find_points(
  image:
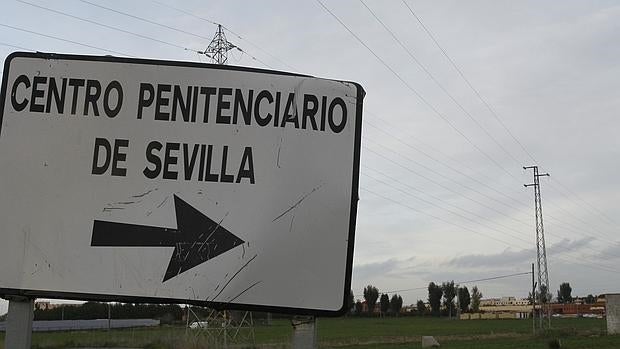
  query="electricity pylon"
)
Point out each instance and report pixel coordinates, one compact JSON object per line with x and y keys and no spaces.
{"x":218,"y":48}
{"x":541,"y":250}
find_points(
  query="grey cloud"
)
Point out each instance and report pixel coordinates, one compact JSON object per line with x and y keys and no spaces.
{"x":370,"y":270}
{"x":566,"y":245}
{"x":612,"y":250}
{"x":509,"y":257}
{"x":395,"y":268}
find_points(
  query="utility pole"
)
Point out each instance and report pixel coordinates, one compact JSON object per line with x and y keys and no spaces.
{"x":109,"y":317}
{"x":218,"y":48}
{"x":533,"y":302}
{"x":541,"y":258}
{"x":458,"y":303}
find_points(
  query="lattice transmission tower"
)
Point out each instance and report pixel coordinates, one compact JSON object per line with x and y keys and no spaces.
{"x":541,"y":250}
{"x":218,"y":48}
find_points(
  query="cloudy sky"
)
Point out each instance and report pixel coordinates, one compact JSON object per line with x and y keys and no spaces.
{"x":460,"y":96}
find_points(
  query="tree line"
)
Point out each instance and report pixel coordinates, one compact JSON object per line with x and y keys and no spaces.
{"x":440,"y":301}
{"x":166,"y":313}
{"x":387,"y":305}
{"x":564,"y":295}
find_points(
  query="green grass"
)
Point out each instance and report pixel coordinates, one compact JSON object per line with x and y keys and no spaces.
{"x":372,"y":328}
{"x":363,"y":333}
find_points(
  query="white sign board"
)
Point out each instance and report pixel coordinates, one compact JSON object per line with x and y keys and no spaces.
{"x":158,"y":181}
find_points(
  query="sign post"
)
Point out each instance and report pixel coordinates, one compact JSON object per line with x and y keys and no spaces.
{"x":304,"y":332}
{"x":19,"y":323}
{"x":132,"y":180}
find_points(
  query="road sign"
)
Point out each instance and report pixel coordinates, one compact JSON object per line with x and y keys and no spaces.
{"x":157,"y":181}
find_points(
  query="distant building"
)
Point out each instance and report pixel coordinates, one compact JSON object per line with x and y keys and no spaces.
{"x":523,"y":309}
{"x":376,"y":310}
{"x":46,"y":305}
{"x":577,"y":309}
{"x":504,"y":301}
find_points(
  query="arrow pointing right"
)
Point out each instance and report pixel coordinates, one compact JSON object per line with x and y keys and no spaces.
{"x":196,"y":239}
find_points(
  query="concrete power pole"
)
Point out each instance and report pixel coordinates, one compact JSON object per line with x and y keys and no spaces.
{"x":218,"y":48}
{"x":541,"y":258}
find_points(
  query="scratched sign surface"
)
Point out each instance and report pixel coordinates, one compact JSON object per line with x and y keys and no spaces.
{"x":141,"y":180}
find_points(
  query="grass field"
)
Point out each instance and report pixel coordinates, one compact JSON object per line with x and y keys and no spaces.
{"x":365,"y":333}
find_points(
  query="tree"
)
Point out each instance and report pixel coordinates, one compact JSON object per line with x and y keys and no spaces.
{"x":385,"y":303}
{"x":564,"y":293}
{"x":351,"y":301}
{"x":590,"y":299}
{"x":476,"y":296}
{"x":449,"y":292}
{"x":421,"y":307}
{"x":359,"y":307}
{"x":396,"y":304}
{"x":543,"y":295}
{"x":464,"y":299}
{"x":434,"y":298}
{"x":371,"y":294}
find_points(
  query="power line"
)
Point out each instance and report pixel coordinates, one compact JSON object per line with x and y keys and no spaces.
{"x":430,"y":75}
{"x":105,"y":25}
{"x":444,"y":202}
{"x":188,"y":13}
{"x":488,"y":106}
{"x":450,"y":211}
{"x":438,"y":218}
{"x":16,"y":46}
{"x":415,"y":92}
{"x":145,"y":20}
{"x":459,"y":282}
{"x":593,"y":209}
{"x":585,"y":223}
{"x":64,"y":40}
{"x":462,"y":75}
{"x":494,"y":278}
{"x":434,"y":149}
{"x":560,"y":222}
{"x":444,"y":187}
{"x":441,"y":175}
{"x":400,"y":140}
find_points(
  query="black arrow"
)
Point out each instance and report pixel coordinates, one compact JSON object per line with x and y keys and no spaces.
{"x":196,"y":239}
